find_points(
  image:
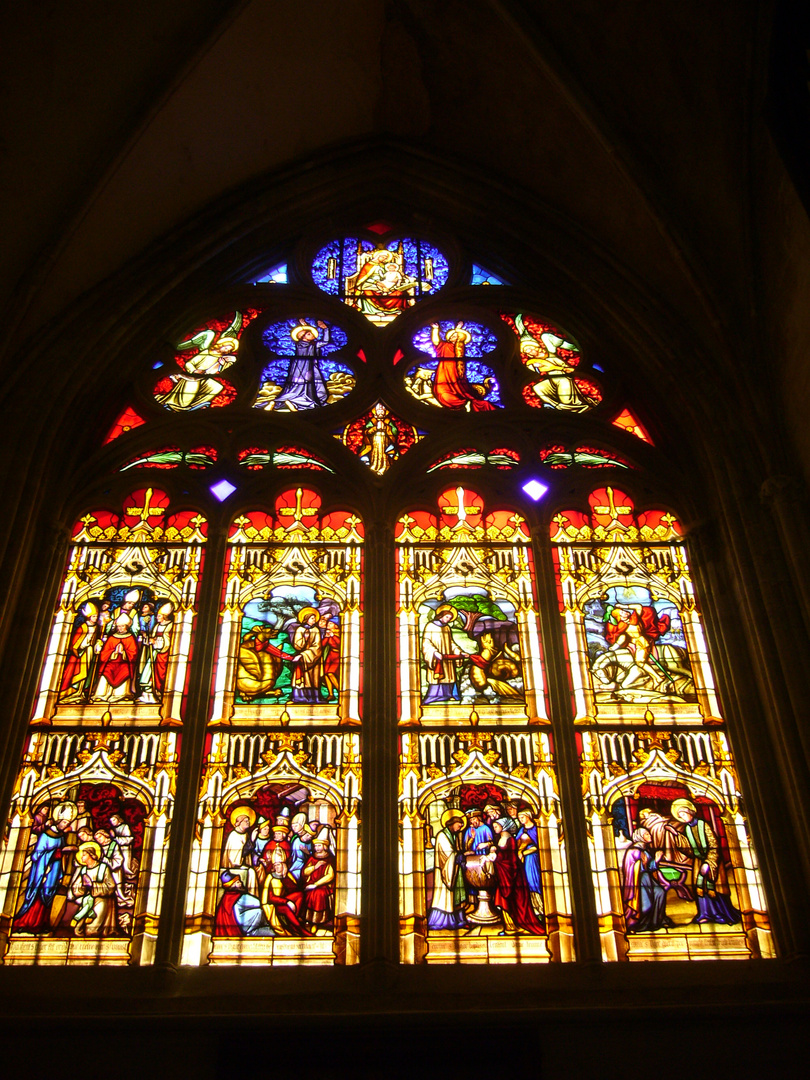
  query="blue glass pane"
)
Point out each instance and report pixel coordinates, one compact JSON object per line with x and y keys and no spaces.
{"x":480,"y":276}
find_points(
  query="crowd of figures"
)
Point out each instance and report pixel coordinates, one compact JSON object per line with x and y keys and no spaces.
{"x":675,"y":855}
{"x":487,"y":871}
{"x":278,"y":877}
{"x":80,"y":873}
{"x":119,"y":650}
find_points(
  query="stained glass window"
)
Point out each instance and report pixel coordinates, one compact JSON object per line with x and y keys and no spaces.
{"x":554,"y":360}
{"x":674,"y":871}
{"x":480,"y":276}
{"x":455,"y":377}
{"x":274,"y":275}
{"x":83,"y":863}
{"x":127,"y":421}
{"x":379,"y":437}
{"x":169,"y":457}
{"x":300,"y":373}
{"x":585,"y":457}
{"x":207,"y":351}
{"x":467,"y":458}
{"x":428,"y":386}
{"x":627,"y":422}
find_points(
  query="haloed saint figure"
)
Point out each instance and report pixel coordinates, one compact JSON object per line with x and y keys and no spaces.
{"x":487,"y":872}
{"x":674,"y":871}
{"x":470,"y":650}
{"x":301,"y":374}
{"x":289,"y":649}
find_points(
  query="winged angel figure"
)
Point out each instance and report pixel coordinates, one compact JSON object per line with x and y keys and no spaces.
{"x":193,"y":388}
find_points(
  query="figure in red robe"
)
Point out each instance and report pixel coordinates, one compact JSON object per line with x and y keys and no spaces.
{"x":512,"y":892}
{"x":76,"y":678}
{"x":331,"y":653}
{"x":636,"y":628}
{"x":319,"y":889}
{"x":451,"y":387}
{"x":116,"y":663}
{"x":281,"y":897}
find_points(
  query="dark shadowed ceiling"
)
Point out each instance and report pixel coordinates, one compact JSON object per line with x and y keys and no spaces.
{"x":642,"y":124}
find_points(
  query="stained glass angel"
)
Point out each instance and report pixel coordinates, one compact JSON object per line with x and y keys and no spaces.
{"x":195,"y":388}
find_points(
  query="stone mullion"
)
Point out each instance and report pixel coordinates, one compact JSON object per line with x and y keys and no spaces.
{"x":173,"y":907}
{"x":585,"y":919}
{"x":380,"y":893}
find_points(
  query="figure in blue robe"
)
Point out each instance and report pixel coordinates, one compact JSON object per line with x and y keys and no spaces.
{"x":304,"y":387}
{"x":44,"y":878}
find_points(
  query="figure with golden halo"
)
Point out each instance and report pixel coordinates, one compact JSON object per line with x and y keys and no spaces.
{"x":236,"y":854}
{"x":449,"y":892}
{"x":451,"y":387}
{"x":305,"y":387}
{"x":46,"y":871}
{"x":92,"y":887}
{"x":709,"y":882}
{"x":308,"y":660}
{"x":239,"y":912}
{"x":381,"y":288}
{"x":440,"y":656}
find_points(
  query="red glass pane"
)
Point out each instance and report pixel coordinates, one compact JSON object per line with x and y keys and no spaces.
{"x":609,"y":504}
{"x":186,"y":520}
{"x":147,"y":505}
{"x":128,"y":420}
{"x":460,"y":504}
{"x":102,"y":519}
{"x":418,"y":520}
{"x":500,"y":520}
{"x":343,"y":519}
{"x":627,"y":422}
{"x":298,"y":506}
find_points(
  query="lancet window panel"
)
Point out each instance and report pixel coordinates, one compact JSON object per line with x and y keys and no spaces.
{"x":674,"y":869}
{"x":635,"y":641}
{"x":83,"y":862}
{"x":84,"y":855}
{"x":290,"y":641}
{"x":275,"y":864}
{"x":483,"y":874}
{"x":467,"y":621}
